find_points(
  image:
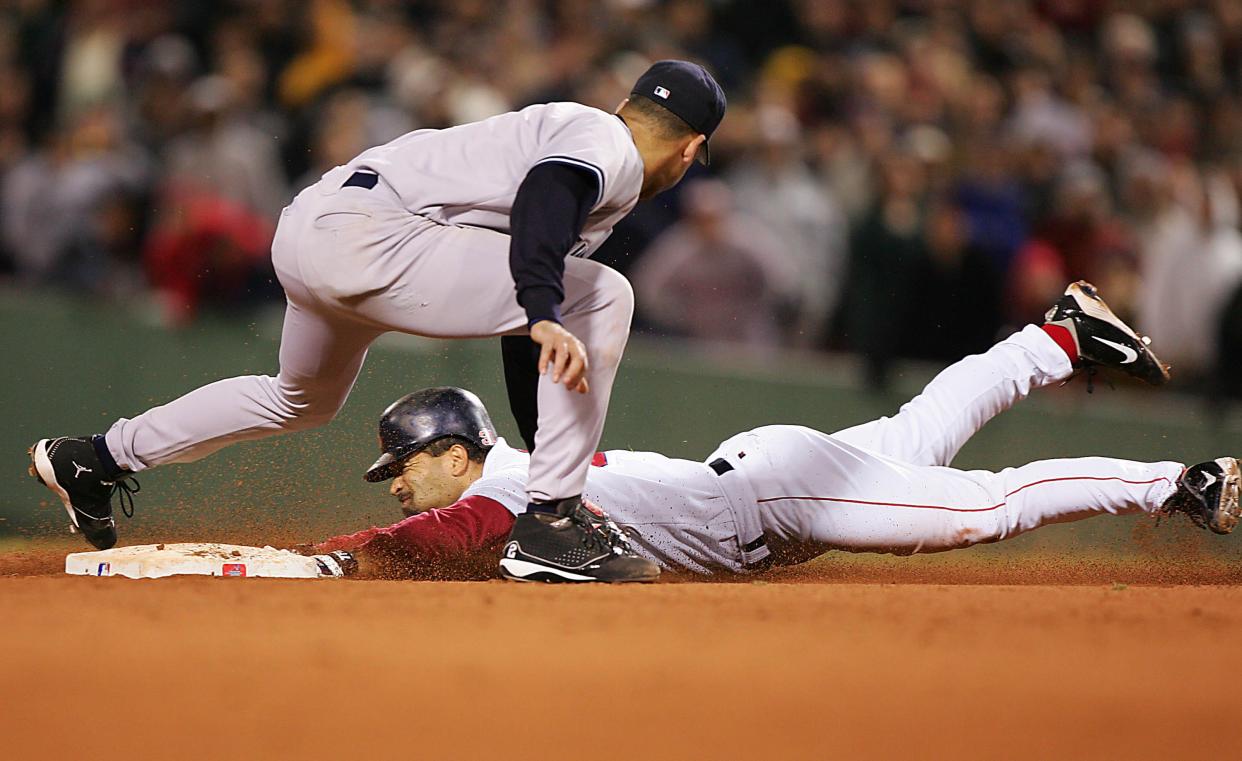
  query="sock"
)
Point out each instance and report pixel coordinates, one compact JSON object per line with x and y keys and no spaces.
{"x":111,"y":469}
{"x":561,"y":507}
{"x":1064,"y":339}
{"x":546,"y":508}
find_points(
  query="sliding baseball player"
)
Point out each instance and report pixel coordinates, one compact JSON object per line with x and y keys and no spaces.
{"x":785,"y":494}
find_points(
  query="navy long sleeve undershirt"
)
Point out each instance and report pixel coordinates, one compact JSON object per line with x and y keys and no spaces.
{"x":549,"y":212}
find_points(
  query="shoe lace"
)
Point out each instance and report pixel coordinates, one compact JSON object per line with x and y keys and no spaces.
{"x":596,"y":534}
{"x":1185,"y":502}
{"x":617,"y":539}
{"x":1186,"y":506}
{"x":1091,"y":371}
{"x":125,"y":489}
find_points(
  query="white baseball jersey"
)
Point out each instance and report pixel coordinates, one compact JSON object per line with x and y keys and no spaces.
{"x":468,"y":175}
{"x":883,"y":486}
{"x":675,"y":511}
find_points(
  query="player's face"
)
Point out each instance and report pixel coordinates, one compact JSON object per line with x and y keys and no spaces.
{"x":426,"y":483}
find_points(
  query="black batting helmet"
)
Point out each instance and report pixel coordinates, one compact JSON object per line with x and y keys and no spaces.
{"x":417,"y":419}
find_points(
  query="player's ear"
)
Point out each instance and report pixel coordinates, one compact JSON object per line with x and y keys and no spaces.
{"x":692,"y":148}
{"x":460,"y":460}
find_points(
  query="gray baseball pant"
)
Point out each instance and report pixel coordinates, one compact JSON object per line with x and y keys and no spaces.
{"x":354,"y":264}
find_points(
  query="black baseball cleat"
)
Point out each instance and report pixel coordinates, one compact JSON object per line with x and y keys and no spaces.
{"x":1208,"y":493}
{"x":576,"y":546}
{"x":71,"y":468}
{"x":1101,"y":338}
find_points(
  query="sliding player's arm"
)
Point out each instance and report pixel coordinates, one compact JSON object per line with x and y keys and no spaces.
{"x":461,"y":541}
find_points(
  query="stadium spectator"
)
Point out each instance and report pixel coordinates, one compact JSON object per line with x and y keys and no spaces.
{"x":1051,"y":140}
{"x":208,"y":249}
{"x":887,"y":257}
{"x":718,"y":274}
{"x":70,"y":212}
{"x":1191,"y":266}
{"x":222,"y":153}
{"x":775,"y":184}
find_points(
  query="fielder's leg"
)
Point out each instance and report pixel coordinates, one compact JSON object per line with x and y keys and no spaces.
{"x":321,"y":352}
{"x":932,"y":427}
{"x":520,"y":356}
{"x":598,"y":306}
{"x":320,"y":358}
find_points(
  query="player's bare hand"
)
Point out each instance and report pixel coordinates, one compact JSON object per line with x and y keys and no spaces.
{"x":561,"y":353}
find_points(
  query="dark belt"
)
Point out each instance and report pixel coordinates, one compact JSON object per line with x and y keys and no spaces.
{"x":365,"y":180}
{"x":721,"y":466}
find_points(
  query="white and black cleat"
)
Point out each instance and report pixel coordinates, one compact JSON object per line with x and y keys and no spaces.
{"x":570,"y":548}
{"x":72,"y":470}
{"x":1208,"y":493}
{"x":1101,"y":338}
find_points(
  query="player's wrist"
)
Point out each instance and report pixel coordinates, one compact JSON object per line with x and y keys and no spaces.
{"x":541,"y":303}
{"x":337,"y":564}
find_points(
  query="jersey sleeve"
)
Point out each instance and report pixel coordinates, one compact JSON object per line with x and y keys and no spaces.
{"x":591,"y":140}
{"x":506,"y":487}
{"x":549,"y":211}
{"x":460,"y":541}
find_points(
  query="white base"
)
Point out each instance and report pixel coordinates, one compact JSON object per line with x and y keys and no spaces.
{"x":154,"y":561}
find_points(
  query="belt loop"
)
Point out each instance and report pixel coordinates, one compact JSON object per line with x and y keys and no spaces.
{"x":366,"y":180}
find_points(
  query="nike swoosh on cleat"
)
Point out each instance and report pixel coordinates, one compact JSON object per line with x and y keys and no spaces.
{"x":1130,"y":354}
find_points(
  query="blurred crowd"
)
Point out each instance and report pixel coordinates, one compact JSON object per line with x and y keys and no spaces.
{"x":895,"y":178}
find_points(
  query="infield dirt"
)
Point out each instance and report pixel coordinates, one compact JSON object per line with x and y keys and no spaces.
{"x":1054,"y":663}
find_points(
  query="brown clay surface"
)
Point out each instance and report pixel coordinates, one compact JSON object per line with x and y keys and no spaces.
{"x":1026,"y":658}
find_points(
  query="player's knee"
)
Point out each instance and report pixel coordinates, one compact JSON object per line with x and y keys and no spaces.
{"x":985,"y":532}
{"x":307,"y":407}
{"x":310,"y":418}
{"x":610,"y":340}
{"x":611,"y":321}
{"x":618,"y":293}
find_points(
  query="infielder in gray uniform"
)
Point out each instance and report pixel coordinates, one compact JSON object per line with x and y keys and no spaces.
{"x":473,"y":231}
{"x":783,"y":493}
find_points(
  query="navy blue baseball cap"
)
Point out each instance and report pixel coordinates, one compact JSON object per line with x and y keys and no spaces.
{"x":688,"y":91}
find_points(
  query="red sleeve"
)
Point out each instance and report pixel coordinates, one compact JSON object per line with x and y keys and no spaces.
{"x":349,"y":541}
{"x":457,"y":541}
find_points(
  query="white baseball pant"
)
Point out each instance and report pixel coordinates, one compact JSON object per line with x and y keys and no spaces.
{"x":354,"y":264}
{"x":884,"y":486}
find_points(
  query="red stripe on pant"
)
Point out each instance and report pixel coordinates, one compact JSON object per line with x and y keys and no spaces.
{"x":965,"y":509}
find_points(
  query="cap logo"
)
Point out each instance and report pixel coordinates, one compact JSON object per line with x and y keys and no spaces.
{"x":487,"y":438}
{"x":663,"y":93}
